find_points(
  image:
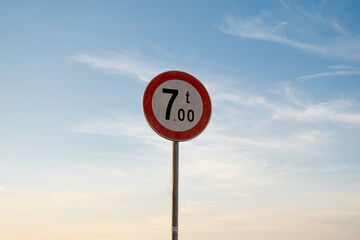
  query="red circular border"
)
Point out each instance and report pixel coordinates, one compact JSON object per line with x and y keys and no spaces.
{"x":156,"y":125}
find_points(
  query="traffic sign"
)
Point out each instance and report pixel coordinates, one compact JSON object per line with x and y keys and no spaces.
{"x":176,"y":106}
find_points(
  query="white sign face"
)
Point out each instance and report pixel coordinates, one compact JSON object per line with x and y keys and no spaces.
{"x":177,"y":105}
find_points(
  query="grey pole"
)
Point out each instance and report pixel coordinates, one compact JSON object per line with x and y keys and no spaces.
{"x":175,"y":190}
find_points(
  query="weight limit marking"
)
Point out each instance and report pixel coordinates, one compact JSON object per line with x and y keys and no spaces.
{"x":181,"y":112}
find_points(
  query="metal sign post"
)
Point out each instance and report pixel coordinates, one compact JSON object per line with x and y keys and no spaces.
{"x":175,"y":190}
{"x":177,"y":107}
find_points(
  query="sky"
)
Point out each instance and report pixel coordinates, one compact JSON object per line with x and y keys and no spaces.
{"x":279,"y":159}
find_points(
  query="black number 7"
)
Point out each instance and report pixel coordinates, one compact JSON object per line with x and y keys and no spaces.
{"x":174,"y":93}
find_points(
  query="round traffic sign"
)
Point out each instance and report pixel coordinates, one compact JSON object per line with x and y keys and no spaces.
{"x":176,"y":106}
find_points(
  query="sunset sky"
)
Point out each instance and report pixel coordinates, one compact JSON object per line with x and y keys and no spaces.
{"x":279,"y":160}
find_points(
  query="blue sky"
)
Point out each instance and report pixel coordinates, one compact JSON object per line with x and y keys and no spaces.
{"x":279,"y":158}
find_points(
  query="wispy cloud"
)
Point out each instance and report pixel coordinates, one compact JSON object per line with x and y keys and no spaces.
{"x":342,"y":67}
{"x":325,"y":112}
{"x":129,"y":64}
{"x":329,"y":74}
{"x":119,"y":125}
{"x":258,"y":28}
{"x":337,"y":70}
{"x":294,"y":108}
{"x":287,"y":31}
